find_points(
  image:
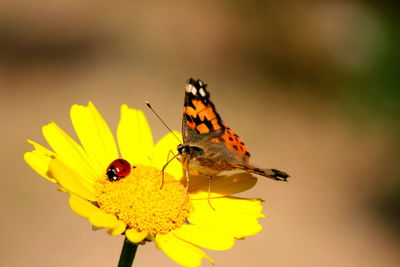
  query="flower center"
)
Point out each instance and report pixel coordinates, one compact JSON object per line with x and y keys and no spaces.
{"x":138,"y":200}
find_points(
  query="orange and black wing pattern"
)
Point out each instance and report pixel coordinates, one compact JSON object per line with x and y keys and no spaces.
{"x":234,"y":144}
{"x":202,"y":124}
{"x":200,"y":119}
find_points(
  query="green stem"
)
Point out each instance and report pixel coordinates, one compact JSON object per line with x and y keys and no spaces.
{"x":127,"y":254}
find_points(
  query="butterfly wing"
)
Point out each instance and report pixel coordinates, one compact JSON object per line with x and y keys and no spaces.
{"x":202,"y":126}
{"x":220,"y":166}
{"x":200,"y":120}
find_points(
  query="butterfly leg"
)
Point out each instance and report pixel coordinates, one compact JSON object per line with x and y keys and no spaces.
{"x":187,"y":181}
{"x":166,"y":164}
{"x":209,"y":192}
{"x":186,"y":191}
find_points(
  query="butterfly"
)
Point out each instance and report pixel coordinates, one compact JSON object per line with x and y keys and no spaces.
{"x":209,"y":145}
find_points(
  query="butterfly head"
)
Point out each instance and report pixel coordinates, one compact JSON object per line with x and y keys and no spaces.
{"x":189,"y":151}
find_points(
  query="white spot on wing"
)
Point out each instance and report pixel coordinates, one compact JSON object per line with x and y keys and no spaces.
{"x":194,"y":90}
{"x":202,"y":92}
{"x":189,"y":88}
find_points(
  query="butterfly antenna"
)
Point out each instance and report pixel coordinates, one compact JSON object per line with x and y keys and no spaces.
{"x":155,"y":113}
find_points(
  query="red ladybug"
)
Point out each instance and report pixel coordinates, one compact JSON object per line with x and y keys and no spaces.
{"x":118,"y":169}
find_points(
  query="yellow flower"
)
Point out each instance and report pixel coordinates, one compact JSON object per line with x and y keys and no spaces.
{"x":180,"y":224}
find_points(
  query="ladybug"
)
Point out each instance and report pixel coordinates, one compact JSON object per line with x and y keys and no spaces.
{"x":118,"y":169}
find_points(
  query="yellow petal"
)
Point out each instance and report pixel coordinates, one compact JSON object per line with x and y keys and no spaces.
{"x":200,"y":236}
{"x":102,"y":219}
{"x":251,"y":207}
{"x":39,"y":160}
{"x":69,"y":179}
{"x":118,"y":228}
{"x":221,"y":185}
{"x":95,"y":136}
{"x":135,"y":236}
{"x":236,"y":217}
{"x":164,"y":150}
{"x":180,"y":251}
{"x":96,"y":216}
{"x":135,"y":139}
{"x":69,"y":152}
{"x":81,"y":206}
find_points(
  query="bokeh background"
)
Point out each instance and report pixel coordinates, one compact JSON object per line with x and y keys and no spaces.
{"x":311,"y":86}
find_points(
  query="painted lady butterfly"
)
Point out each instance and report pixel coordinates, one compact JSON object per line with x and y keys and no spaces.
{"x":210,"y":146}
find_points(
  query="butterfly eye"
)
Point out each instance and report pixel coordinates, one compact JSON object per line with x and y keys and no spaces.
{"x":118,"y":169}
{"x":180,"y":148}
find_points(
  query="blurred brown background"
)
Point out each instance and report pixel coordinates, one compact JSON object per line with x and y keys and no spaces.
{"x":311,"y":86}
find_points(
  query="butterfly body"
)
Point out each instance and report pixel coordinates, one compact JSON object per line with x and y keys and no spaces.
{"x":210,"y":146}
{"x":201,"y":162}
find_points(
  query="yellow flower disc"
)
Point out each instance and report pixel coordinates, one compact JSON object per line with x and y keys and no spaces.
{"x":138,"y":200}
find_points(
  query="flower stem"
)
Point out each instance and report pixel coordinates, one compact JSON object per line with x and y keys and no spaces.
{"x":127,"y":254}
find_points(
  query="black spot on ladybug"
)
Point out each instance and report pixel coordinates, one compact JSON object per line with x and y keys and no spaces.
{"x":112,"y":176}
{"x":230,"y":138}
